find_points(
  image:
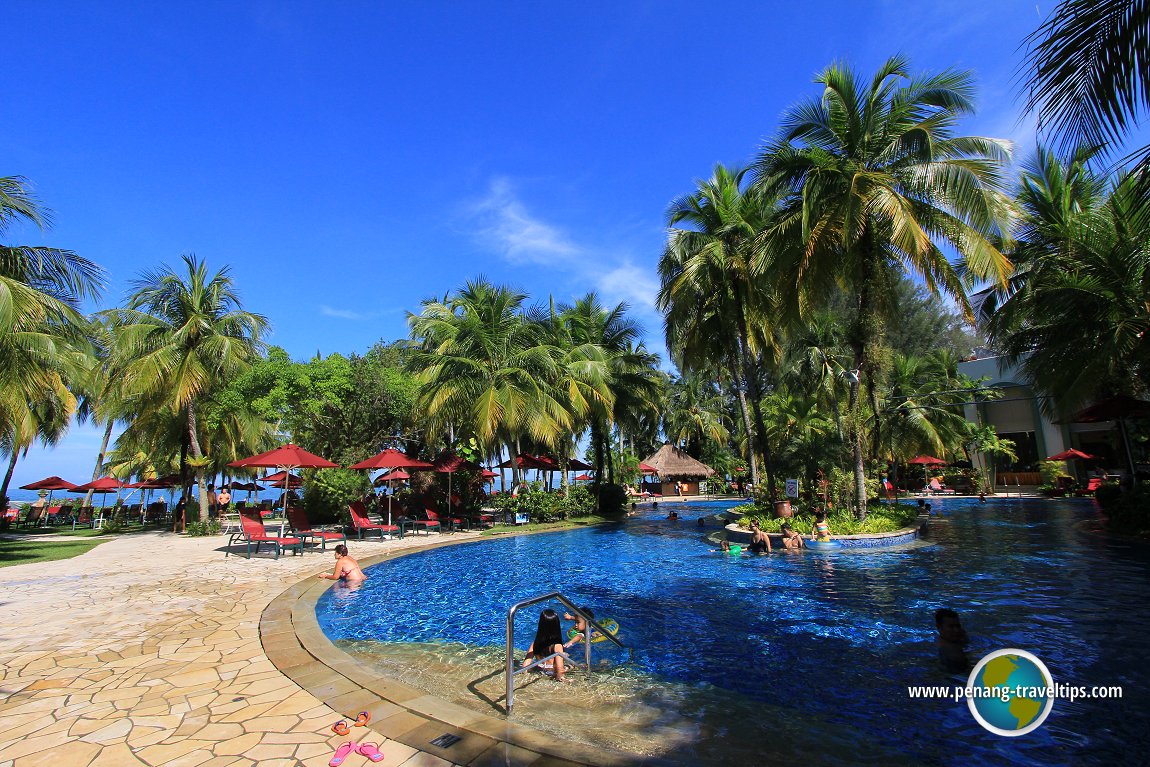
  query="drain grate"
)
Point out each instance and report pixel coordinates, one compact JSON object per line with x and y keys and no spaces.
{"x":446,"y":740}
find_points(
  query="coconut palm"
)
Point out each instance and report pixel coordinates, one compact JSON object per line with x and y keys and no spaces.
{"x":695,"y":413}
{"x":485,"y":370}
{"x":41,"y":290}
{"x":1088,"y":78}
{"x":633,"y":381}
{"x":712,"y":294}
{"x":181,"y":337}
{"x":876,"y":182}
{"x":1076,"y":314}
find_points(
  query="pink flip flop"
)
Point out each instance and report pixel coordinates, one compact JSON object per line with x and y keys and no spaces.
{"x":371,"y":751}
{"x":341,"y":754}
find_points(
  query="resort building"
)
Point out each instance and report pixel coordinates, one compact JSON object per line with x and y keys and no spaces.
{"x":679,"y":473}
{"x":1019,"y":415}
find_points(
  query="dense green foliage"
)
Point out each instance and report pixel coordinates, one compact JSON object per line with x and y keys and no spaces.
{"x":882,"y":518}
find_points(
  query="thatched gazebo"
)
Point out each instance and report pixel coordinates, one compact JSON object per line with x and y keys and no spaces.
{"x":678,"y":472}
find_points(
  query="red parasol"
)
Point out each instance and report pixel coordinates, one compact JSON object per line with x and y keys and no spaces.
{"x":391,"y":459}
{"x":395,"y":475}
{"x":584,"y":478}
{"x":50,"y":483}
{"x":103,"y":486}
{"x":280,"y":477}
{"x":1072,"y":455}
{"x":927,"y":460}
{"x":647,"y":468}
{"x":286,"y":458}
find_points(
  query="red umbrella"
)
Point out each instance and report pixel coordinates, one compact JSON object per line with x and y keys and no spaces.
{"x":280,"y":477}
{"x":584,"y":478}
{"x":449,"y":463}
{"x":50,"y":484}
{"x":391,"y":459}
{"x":1072,"y":455}
{"x":530,"y":462}
{"x":286,"y":458}
{"x":103,"y":486}
{"x":395,"y":475}
{"x":927,"y":460}
{"x":645,"y":468}
{"x":576,"y":465}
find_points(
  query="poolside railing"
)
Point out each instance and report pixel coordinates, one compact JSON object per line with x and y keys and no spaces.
{"x":511,"y":670}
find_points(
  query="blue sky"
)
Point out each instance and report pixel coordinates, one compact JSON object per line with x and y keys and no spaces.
{"x":350,"y":159}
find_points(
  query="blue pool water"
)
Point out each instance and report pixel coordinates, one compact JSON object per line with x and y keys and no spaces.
{"x":814,"y":651}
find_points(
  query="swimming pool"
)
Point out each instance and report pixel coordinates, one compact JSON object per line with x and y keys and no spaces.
{"x":787,"y":656}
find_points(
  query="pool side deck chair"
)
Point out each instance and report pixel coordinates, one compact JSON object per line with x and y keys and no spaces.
{"x":298,"y":520}
{"x":252,"y":531}
{"x":361,"y":522}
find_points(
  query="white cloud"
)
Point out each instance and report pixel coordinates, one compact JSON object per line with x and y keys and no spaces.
{"x":343,"y":314}
{"x":507,"y":227}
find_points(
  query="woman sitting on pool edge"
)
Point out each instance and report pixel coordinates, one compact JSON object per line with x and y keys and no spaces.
{"x":346,"y":567}
{"x":548,"y":640}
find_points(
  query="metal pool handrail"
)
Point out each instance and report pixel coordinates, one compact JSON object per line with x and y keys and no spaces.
{"x":511,"y":671}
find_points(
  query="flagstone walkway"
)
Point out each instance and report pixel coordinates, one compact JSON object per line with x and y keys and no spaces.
{"x":146,"y":651}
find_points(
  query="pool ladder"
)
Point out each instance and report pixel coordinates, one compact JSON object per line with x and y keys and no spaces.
{"x":511,"y":670}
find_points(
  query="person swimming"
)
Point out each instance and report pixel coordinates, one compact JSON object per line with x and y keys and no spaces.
{"x":548,"y":640}
{"x":346,"y":567}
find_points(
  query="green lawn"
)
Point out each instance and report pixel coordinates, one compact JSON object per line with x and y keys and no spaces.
{"x":26,"y":552}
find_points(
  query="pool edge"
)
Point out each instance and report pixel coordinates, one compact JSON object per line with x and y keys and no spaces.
{"x":294,"y":643}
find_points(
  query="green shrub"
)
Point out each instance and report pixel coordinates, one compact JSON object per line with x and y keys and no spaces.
{"x":1127,"y":512}
{"x":1051,"y":472}
{"x":195,"y":529}
{"x":328,"y":493}
{"x":881,"y":518}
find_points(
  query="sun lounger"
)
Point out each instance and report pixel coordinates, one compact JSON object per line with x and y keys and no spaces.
{"x":938,"y":488}
{"x":252,"y":531}
{"x":1093,"y":484}
{"x":302,"y":528}
{"x":33,"y":517}
{"x":361,"y":522}
{"x":453,"y":523}
{"x":426,"y":525}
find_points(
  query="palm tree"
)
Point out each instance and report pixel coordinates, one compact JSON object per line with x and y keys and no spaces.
{"x":184,"y":336}
{"x":712,"y":294}
{"x":1088,"y":75}
{"x":1076,"y":313}
{"x":42,"y":333}
{"x":695,"y":413}
{"x":633,"y":381}
{"x":484,"y":369}
{"x":875,"y":182}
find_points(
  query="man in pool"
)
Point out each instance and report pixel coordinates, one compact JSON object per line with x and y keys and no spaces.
{"x":791,"y":539}
{"x":951,"y":641}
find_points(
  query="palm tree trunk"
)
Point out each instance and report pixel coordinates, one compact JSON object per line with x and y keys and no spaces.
{"x":750,"y":375}
{"x":866,"y":329}
{"x":610,"y":457}
{"x":8,"y":476}
{"x":746,"y":413}
{"x":194,"y":447}
{"x":100,"y":458}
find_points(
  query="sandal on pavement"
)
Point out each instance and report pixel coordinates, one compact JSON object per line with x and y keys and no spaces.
{"x":340,"y":728}
{"x":371,"y":751}
{"x":362,"y":719}
{"x":341,"y":754}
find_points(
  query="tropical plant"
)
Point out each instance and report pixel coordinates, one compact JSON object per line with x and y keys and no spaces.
{"x":183,"y":337}
{"x":875,"y":182}
{"x":713,"y":297}
{"x":1075,"y":315}
{"x":1088,"y":77}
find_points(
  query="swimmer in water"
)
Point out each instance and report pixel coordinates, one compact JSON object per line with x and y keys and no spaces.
{"x":346,"y":567}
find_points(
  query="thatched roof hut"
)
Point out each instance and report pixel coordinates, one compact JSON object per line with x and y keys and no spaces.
{"x":674,"y":464}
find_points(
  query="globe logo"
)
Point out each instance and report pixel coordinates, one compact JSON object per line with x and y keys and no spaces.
{"x":1010,"y":692}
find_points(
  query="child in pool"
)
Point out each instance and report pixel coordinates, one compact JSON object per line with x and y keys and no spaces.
{"x":822,"y":529}
{"x":548,"y":640}
{"x":951,"y":641}
{"x":580,"y":625}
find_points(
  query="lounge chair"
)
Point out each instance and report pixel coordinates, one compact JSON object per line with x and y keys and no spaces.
{"x":453,"y":523}
{"x":252,"y":531}
{"x":938,"y":488}
{"x":1092,"y":484}
{"x":426,"y":525}
{"x":83,"y":517}
{"x":360,"y":521}
{"x":33,"y":517}
{"x":302,"y":528}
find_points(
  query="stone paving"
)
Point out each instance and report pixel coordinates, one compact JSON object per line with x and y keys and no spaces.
{"x":146,"y":651}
